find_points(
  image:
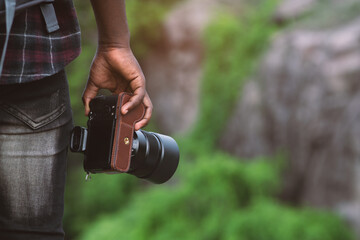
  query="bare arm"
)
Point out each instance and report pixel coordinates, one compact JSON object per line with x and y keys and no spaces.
{"x":111,"y":22}
{"x":114,"y":66}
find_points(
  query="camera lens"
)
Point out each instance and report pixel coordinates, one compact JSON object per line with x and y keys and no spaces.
{"x":155,"y":157}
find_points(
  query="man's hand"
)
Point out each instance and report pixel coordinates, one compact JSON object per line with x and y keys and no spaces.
{"x":116,"y":68}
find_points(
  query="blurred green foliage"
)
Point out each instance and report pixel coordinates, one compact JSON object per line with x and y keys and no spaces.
{"x":233,"y":47}
{"x":218,"y":198}
{"x":212,"y":195}
{"x":87,"y":201}
{"x":195,"y":208}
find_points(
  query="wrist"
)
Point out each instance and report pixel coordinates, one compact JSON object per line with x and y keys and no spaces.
{"x":115,"y":42}
{"x":110,"y":46}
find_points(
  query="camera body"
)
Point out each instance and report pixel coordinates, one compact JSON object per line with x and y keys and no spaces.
{"x":101,"y":129}
{"x":111,"y":145}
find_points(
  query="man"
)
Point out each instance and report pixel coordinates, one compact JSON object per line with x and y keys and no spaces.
{"x":35,"y":114}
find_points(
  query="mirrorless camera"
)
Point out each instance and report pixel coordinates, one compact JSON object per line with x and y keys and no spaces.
{"x":111,"y":145}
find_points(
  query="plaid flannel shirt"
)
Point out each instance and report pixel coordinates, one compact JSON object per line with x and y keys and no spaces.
{"x":32,"y":52}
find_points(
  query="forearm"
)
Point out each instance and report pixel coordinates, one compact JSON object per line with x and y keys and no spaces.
{"x":111,"y":22}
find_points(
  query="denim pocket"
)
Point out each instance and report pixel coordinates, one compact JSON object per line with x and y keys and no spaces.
{"x":44,"y":109}
{"x":34,"y":122}
{"x":37,"y":113}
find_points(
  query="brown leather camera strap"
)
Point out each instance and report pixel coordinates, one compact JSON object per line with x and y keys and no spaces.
{"x":124,"y":131}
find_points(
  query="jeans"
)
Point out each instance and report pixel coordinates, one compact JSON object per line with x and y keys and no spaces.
{"x":35,"y":125}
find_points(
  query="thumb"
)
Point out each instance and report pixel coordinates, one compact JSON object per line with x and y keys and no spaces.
{"x":89,"y":93}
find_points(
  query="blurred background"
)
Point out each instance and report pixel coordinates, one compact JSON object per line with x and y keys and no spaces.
{"x":263,"y":97}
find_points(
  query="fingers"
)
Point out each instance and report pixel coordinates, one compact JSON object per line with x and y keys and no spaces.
{"x":148,"y":112}
{"x":89,"y":93}
{"x":138,"y":97}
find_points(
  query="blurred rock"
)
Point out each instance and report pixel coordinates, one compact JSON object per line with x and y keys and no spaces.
{"x":245,"y":134}
{"x":291,"y":9}
{"x":174,"y":69}
{"x":306,"y":101}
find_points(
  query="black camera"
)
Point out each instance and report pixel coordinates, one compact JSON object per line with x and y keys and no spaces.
{"x":111,"y":145}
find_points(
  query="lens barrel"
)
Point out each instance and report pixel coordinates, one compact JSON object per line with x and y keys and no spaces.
{"x":155,"y":157}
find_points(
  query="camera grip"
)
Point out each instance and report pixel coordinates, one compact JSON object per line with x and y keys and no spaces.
{"x":124,"y":131}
